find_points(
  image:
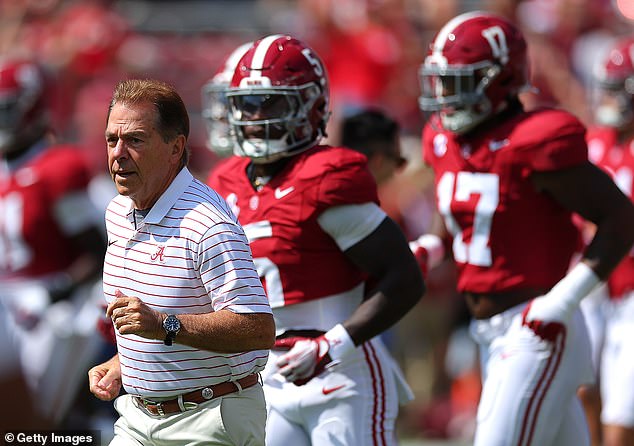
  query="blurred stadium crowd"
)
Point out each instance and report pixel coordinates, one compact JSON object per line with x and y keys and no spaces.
{"x":372,"y":50}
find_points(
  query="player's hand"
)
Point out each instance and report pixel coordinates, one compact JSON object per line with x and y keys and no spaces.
{"x":105,"y":379}
{"x":130,"y":315}
{"x":544,"y":318}
{"x":548,"y":315}
{"x":429,"y":251}
{"x":305,"y":360}
{"x":422,"y":256}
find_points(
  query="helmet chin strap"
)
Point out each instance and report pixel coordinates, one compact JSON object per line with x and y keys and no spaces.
{"x":267,"y":150}
{"x":461,"y":121}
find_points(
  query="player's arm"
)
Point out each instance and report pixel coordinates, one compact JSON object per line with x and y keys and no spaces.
{"x":591,"y":193}
{"x":588,"y":191}
{"x":375,"y":243}
{"x":377,"y":246}
{"x":81,"y":222}
{"x":396,"y":281}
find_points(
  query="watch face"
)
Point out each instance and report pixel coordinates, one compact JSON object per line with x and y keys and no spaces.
{"x":171,"y":324}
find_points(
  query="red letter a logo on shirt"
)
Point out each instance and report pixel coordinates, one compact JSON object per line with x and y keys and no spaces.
{"x":158,"y":254}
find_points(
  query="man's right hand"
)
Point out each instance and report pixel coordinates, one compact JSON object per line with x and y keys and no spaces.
{"x":105,"y":379}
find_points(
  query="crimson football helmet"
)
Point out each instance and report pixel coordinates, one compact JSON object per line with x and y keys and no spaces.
{"x":215,"y":108}
{"x":278,"y":98}
{"x":475,"y":64}
{"x":23,"y":103}
{"x":613,"y":92}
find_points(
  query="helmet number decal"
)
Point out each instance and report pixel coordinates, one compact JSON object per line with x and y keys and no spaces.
{"x":497,"y":41}
{"x":308,"y":54}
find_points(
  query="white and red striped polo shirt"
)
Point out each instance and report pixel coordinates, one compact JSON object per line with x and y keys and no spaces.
{"x":190,"y":255}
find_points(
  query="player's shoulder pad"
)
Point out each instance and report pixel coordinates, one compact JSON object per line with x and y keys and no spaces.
{"x":65,"y":167}
{"x":66,"y":153}
{"x":336,"y":175}
{"x":548,"y":139}
{"x":548,"y":123}
{"x":227,"y":167}
{"x":325,"y":159}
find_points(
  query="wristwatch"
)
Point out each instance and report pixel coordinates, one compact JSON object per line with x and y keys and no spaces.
{"x":172,"y":326}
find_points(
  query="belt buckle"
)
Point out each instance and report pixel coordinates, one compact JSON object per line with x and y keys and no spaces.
{"x":207,"y":393}
{"x":159,"y":409}
{"x":157,"y":404}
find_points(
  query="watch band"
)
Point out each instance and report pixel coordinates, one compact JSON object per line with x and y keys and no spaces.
{"x":169,"y":338}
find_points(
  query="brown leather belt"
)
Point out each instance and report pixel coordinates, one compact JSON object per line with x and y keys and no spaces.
{"x":484,"y":306}
{"x":192,"y":399}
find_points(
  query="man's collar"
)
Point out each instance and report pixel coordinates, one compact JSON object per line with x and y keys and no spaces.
{"x":165,"y":202}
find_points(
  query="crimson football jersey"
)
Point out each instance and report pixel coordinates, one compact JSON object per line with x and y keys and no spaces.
{"x":32,"y":244}
{"x":506,"y":235}
{"x":296,"y":260}
{"x":618,"y":160}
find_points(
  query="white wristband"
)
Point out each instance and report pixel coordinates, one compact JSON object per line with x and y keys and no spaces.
{"x":340,"y":342}
{"x":434,"y":246}
{"x":575,"y":285}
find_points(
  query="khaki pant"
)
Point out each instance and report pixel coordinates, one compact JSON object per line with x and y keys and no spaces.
{"x":237,"y":419}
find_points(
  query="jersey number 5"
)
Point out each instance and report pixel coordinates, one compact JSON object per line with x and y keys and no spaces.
{"x":461,"y":187}
{"x":267,"y":270}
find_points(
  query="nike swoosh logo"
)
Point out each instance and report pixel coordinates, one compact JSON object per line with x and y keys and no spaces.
{"x":112,"y":242}
{"x":328,"y":390}
{"x":281,"y":193}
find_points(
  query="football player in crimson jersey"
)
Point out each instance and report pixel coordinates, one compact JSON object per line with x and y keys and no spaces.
{"x":214,"y":104}
{"x":317,"y":235}
{"x":51,"y":242}
{"x":507,"y":182}
{"x":611,"y":146}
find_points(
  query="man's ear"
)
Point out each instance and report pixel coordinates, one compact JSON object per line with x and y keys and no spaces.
{"x":178,"y":146}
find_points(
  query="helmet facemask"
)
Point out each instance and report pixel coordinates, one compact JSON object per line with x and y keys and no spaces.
{"x":215,"y":113}
{"x":458,"y":93}
{"x":215,"y":105}
{"x":274,"y":122}
{"x":612,"y":103}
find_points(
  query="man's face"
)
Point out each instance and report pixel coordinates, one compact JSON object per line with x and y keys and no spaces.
{"x":141,"y":163}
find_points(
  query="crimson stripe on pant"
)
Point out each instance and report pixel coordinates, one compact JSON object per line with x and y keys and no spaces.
{"x":544,"y":383}
{"x":378,"y":384}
